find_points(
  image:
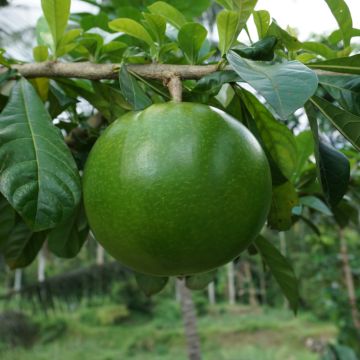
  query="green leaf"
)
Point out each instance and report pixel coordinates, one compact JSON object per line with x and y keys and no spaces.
{"x":228,"y":24}
{"x":245,"y":9}
{"x":43,"y":34}
{"x":281,"y":269}
{"x":342,"y":14}
{"x":227,"y":4}
{"x":67,"y":43}
{"x":336,"y":36}
{"x":200,"y":281}
{"x":132,"y":91}
{"x":38,"y":175}
{"x":7,"y":220}
{"x":348,"y":65}
{"x":151,"y":285}
{"x":56,"y":13}
{"x":345,"y":212}
{"x":67,"y":238}
{"x":170,"y":13}
{"x":315,"y":203}
{"x":261,"y":50}
{"x":320,"y":49}
{"x":132,"y":28}
{"x":347,"y":123}
{"x":40,"y":53}
{"x":277,"y":138}
{"x":22,"y":246}
{"x":305,"y":148}
{"x":211,"y":84}
{"x":333,"y":168}
{"x":287,"y":40}
{"x":284,"y":198}
{"x":191,"y":38}
{"x":286,"y":86}
{"x":344,"y":89}
{"x":262,"y":22}
{"x":156,"y":24}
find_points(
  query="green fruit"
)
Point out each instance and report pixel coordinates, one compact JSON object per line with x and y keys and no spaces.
{"x":176,"y":189}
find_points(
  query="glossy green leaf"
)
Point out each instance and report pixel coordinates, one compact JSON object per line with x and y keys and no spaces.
{"x":284,"y":198}
{"x":305,"y":148}
{"x":68,"y":237}
{"x":156,"y":24}
{"x":38,"y":174}
{"x":342,"y":14}
{"x":67,"y":43}
{"x":90,"y":21}
{"x":277,"y":138}
{"x":132,"y":91}
{"x":228,"y":25}
{"x":56,"y":13}
{"x":200,"y":281}
{"x":22,"y":246}
{"x":315,"y":203}
{"x":226,"y":4}
{"x":262,"y":22}
{"x":286,"y":86}
{"x":261,"y":50}
{"x":151,"y":285}
{"x":40,"y":53}
{"x":349,"y":65}
{"x":191,"y":38}
{"x":336,"y":36}
{"x":7,"y":220}
{"x":285,"y":39}
{"x":344,"y":89}
{"x":281,"y":269}
{"x":170,"y":13}
{"x":333,"y":168}
{"x":43,"y":34}
{"x":245,"y":9}
{"x":347,"y":123}
{"x":132,"y":28}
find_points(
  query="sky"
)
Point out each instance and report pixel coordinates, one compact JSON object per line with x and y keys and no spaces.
{"x":307,"y":16}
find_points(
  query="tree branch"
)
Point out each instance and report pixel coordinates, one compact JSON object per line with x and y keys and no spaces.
{"x":87,"y":70}
{"x":175,"y":87}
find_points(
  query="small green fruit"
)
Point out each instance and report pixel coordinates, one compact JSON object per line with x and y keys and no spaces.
{"x":176,"y":189}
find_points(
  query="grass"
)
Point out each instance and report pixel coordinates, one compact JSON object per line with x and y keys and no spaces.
{"x":227,"y":333}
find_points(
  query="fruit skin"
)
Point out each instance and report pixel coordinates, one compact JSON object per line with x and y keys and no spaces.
{"x":176,"y":189}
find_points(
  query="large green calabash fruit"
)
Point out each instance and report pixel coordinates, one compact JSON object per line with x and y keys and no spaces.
{"x":176,"y":189}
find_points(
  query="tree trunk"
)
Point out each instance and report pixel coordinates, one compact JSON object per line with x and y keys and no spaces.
{"x":100,"y":255}
{"x":283,"y":251}
{"x":252,"y":291}
{"x":189,"y":319}
{"x":349,"y":280}
{"x":262,"y":284}
{"x":18,"y":280}
{"x":231,"y":283}
{"x":211,"y":293}
{"x":240,"y":281}
{"x":41,"y":265}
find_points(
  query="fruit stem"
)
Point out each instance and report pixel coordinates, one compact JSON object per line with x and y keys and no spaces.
{"x":175,"y":87}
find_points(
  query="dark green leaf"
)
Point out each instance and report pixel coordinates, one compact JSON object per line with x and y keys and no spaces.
{"x":276,"y":137}
{"x":262,"y":22}
{"x":212,"y":83}
{"x":7,"y":75}
{"x":305,"y":148}
{"x":191,"y":38}
{"x":285,"y":39}
{"x":151,"y":285}
{"x":342,"y":15}
{"x":284,"y":198}
{"x":332,"y":166}
{"x":38,"y":175}
{"x":132,"y":91}
{"x":347,"y":123}
{"x":68,"y":237}
{"x":200,"y":281}
{"x":345,"y":212}
{"x":281,"y":269}
{"x":348,"y":65}
{"x":344,"y":89}
{"x":7,"y":220}
{"x":286,"y":86}
{"x":22,"y":246}
{"x":261,"y":50}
